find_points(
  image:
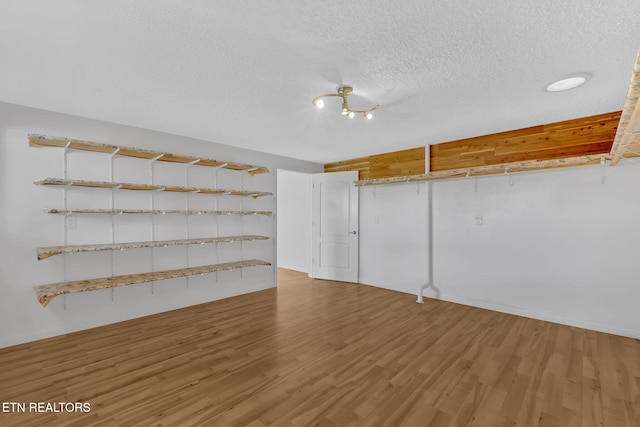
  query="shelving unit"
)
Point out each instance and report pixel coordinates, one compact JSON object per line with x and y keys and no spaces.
{"x":49,"y":251}
{"x":153,"y":212}
{"x":147,"y":187}
{"x":47,"y":292}
{"x":36,"y":140}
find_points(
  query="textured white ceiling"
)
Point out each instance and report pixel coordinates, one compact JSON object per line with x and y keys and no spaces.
{"x":243,"y":73}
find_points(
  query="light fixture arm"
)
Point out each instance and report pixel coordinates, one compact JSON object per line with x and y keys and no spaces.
{"x":344,"y":92}
{"x":315,"y":100}
{"x":365,"y":111}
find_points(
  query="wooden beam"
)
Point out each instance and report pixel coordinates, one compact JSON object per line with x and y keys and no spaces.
{"x":628,"y":135}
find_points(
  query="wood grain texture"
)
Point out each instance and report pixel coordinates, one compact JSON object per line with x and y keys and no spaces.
{"x":46,"y":293}
{"x":44,"y":252}
{"x":321,"y":353}
{"x":573,"y":142}
{"x":148,"y":187}
{"x":405,"y":162}
{"x":36,"y":140}
{"x":571,"y":138}
{"x":152,"y":212}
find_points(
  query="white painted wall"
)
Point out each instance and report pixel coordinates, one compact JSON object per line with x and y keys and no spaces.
{"x":24,"y":226}
{"x":294,"y":220}
{"x":558,"y":245}
{"x":393,"y":236}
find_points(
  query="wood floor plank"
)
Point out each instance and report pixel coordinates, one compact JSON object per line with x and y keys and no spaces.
{"x":322,"y":353}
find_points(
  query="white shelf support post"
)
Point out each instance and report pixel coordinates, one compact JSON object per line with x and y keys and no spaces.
{"x":429,"y":185}
{"x":153,"y":217}
{"x":188,"y":195}
{"x":65,"y":207}
{"x":241,"y":217}
{"x":509,"y":175}
{"x":602,"y":164}
{"x":475,"y":182}
{"x":215,"y":208}
{"x":112,"y":207}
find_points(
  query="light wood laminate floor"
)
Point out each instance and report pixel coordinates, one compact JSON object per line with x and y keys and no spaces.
{"x":321,"y":353}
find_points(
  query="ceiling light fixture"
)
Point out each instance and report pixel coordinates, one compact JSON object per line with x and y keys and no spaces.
{"x":343,"y":92}
{"x":568,"y":82}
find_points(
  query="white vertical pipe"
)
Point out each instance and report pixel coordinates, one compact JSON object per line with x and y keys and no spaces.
{"x":429,"y":184}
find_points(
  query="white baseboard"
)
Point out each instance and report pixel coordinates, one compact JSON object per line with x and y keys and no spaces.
{"x":532,"y":314}
{"x":594,"y":326}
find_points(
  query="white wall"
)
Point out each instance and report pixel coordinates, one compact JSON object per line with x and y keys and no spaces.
{"x":558,"y":245}
{"x":24,"y":226}
{"x":294,"y":220}
{"x":393,"y":236}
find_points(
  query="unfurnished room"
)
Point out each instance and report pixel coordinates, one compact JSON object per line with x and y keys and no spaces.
{"x":364,"y":213}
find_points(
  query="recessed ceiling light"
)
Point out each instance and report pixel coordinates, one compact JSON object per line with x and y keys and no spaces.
{"x":567,"y":82}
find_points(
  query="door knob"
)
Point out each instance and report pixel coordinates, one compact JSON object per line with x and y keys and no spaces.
{"x":354,"y":232}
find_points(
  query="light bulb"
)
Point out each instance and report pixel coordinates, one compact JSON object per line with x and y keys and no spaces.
{"x":345,"y":107}
{"x":351,"y":114}
{"x":319,"y":103}
{"x":369,"y":116}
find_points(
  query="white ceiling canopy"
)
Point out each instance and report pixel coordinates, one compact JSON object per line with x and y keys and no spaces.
{"x":244,"y":73}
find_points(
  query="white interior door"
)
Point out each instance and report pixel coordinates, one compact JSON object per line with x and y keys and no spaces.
{"x":334,"y":237}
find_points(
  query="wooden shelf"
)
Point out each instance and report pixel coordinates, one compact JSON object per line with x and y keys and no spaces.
{"x":36,"y":140}
{"x":148,"y":187}
{"x":150,"y":211}
{"x":488,"y":170}
{"x":49,"y":251}
{"x":46,"y":293}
